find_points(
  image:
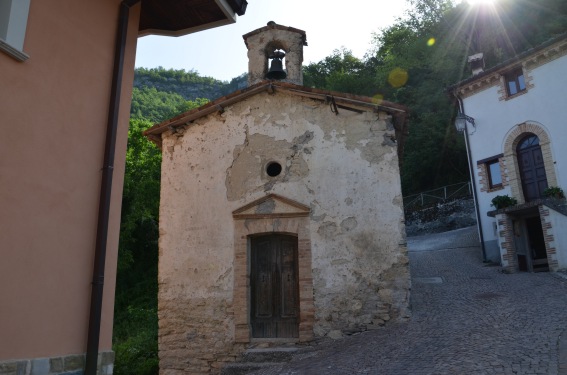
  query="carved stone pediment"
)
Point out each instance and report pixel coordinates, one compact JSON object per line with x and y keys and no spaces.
{"x":271,"y":206}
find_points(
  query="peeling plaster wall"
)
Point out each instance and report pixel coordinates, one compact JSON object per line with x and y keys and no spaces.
{"x":345,"y":167}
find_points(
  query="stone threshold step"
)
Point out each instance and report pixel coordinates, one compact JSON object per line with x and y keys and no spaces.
{"x":239,"y":368}
{"x":275,"y":354}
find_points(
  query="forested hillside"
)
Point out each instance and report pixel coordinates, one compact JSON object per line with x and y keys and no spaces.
{"x":412,"y":62}
{"x":189,"y":85}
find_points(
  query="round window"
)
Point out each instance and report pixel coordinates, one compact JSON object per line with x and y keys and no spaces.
{"x":273,"y":169}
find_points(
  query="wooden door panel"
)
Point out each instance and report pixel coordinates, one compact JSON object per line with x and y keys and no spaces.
{"x":263,"y":280}
{"x":274,"y":287}
{"x":289,"y":285}
{"x":530,"y":191}
{"x":537,"y":156}
{"x":542,"y":185}
{"x":532,"y":172}
{"x":528,"y":175}
{"x":525,"y":160}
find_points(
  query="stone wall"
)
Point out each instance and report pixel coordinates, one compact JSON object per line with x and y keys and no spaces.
{"x":441,"y":217}
{"x":343,"y":168}
{"x":64,"y":365}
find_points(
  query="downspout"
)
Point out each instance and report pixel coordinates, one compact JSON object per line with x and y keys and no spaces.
{"x":106,"y":189}
{"x":476,"y":207}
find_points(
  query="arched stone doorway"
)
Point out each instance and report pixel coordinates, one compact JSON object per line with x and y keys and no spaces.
{"x":518,"y":134}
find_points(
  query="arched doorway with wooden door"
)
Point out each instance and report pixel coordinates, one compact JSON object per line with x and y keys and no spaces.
{"x":531,"y":165}
{"x":530,"y":170}
{"x":527,"y":155}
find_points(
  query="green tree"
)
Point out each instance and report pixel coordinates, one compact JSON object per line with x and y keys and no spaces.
{"x":135,"y":312}
{"x":155,"y":106}
{"x":188,"y":84}
{"x":135,"y":327}
{"x":416,"y":65}
{"x":340,"y":71}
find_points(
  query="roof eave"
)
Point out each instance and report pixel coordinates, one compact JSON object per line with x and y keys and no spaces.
{"x":354,"y":102}
{"x":190,"y":30}
{"x":398,"y":112}
{"x":505,"y":65}
{"x":229,"y":8}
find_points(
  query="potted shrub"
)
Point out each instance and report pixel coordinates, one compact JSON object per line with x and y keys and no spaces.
{"x":503,"y":201}
{"x":554,"y":192}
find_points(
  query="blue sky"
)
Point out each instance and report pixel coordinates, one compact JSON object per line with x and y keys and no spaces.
{"x":221,"y":53}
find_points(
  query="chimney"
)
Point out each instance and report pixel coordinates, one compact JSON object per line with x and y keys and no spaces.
{"x":476,"y":63}
{"x":263,"y":42}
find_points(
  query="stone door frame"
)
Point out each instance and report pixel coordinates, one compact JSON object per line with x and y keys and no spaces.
{"x":511,"y":142}
{"x":274,"y":308}
{"x":288,"y":223}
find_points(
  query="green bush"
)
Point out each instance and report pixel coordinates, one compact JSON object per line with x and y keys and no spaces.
{"x":135,"y":343}
{"x":554,"y":192}
{"x":503,"y":201}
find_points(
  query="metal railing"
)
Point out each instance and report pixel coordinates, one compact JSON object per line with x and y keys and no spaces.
{"x":442,"y":194}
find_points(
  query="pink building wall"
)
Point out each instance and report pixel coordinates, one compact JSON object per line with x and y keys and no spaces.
{"x":53,"y":112}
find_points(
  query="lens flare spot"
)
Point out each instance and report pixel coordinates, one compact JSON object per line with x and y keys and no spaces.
{"x":431,"y":42}
{"x":378,"y":99}
{"x":398,"y":77}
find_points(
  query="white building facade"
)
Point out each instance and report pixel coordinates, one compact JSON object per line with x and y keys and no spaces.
{"x":517,"y":148}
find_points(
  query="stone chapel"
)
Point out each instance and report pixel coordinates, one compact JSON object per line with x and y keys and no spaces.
{"x":281,"y":214}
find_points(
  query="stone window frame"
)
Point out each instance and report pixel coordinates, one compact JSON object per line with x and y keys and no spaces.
{"x":503,"y":90}
{"x":13,"y":25}
{"x":485,"y":177}
{"x":515,"y":135}
{"x":245,"y":228}
{"x":515,"y":76}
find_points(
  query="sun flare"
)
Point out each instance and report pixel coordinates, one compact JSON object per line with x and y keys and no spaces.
{"x":480,"y":2}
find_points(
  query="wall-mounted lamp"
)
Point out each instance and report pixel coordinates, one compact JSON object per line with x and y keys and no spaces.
{"x":461,"y":121}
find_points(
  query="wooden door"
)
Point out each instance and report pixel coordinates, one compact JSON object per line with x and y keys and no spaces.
{"x":532,"y":168}
{"x":274,"y":287}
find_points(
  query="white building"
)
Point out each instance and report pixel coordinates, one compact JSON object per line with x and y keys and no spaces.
{"x":517,"y":147}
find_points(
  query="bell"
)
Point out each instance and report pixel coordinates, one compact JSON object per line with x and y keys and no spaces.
{"x":276,"y":71}
{"x":276,"y":68}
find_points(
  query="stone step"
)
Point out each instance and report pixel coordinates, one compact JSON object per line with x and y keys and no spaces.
{"x":261,"y":358}
{"x":277,"y":354}
{"x":239,"y":368}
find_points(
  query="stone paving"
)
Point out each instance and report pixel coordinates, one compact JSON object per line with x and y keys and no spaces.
{"x":467,"y":318}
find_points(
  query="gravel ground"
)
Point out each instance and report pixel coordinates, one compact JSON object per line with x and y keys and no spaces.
{"x":467,"y":318}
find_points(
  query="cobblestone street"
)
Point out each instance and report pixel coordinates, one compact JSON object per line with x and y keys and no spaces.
{"x":467,"y":318}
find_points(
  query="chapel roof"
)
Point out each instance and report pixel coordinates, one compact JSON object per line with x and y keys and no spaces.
{"x":335,"y":99}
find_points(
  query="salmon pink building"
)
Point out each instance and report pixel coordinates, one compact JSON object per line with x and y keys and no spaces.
{"x":67,"y":71}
